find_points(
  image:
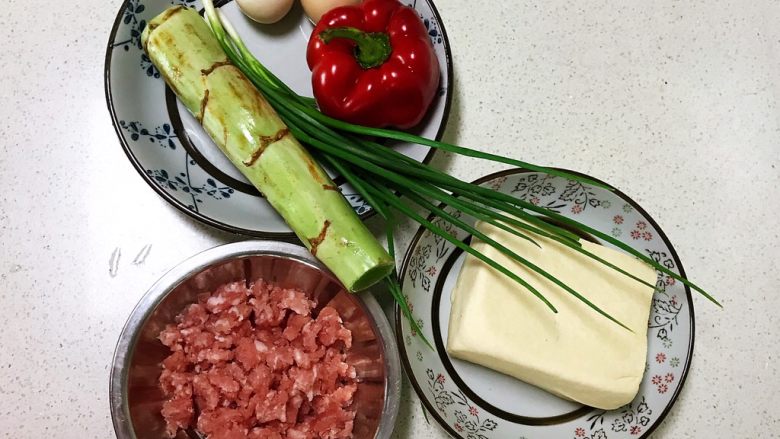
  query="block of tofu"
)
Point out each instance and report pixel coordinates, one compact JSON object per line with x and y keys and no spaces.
{"x":576,"y":354}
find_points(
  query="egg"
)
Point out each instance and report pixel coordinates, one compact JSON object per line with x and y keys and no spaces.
{"x":315,"y":9}
{"x":265,"y":11}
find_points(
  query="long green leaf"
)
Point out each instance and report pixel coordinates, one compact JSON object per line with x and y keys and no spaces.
{"x":408,"y":183}
{"x":488,"y":194}
{"x":411,"y":138}
{"x":506,"y":251}
{"x":395,"y":202}
{"x":333,"y":137}
{"x":395,"y":288}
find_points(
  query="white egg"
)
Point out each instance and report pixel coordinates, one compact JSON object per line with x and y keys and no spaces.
{"x":265,"y":11}
{"x":315,"y":9}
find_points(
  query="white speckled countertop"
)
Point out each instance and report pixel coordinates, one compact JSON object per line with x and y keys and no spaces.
{"x":673,"y":102}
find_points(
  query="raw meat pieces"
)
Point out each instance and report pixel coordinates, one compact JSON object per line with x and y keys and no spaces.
{"x":254,"y":363}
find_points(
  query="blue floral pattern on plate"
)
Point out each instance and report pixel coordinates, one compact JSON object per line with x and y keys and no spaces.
{"x":670,"y":328}
{"x":136,"y":98}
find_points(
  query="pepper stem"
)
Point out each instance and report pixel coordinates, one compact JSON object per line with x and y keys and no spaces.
{"x":371,"y":48}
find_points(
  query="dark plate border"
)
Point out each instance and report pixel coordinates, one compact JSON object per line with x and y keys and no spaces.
{"x":287,"y":236}
{"x":398,"y":317}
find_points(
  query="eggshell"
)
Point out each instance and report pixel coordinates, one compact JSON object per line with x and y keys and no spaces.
{"x":265,"y":11}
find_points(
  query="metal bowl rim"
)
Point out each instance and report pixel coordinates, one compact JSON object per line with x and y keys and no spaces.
{"x":120,"y":412}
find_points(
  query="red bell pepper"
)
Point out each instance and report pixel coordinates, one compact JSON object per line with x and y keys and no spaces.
{"x":373,"y":64}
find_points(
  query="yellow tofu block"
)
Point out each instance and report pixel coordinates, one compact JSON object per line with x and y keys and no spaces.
{"x":576,"y":354}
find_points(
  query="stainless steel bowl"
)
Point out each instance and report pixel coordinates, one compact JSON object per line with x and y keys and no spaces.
{"x":135,"y":395}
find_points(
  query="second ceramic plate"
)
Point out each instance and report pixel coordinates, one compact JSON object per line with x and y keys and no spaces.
{"x":472,"y":402}
{"x":173,"y":153}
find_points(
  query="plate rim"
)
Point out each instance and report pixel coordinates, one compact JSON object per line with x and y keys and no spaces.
{"x":287,"y":236}
{"x":428,"y":407}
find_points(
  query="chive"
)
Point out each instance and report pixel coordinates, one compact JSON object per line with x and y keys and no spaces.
{"x":506,"y":251}
{"x":480,"y":191}
{"x":391,"y":199}
{"x":411,"y":138}
{"x":394,"y":287}
{"x":375,"y":171}
{"x":395,"y":202}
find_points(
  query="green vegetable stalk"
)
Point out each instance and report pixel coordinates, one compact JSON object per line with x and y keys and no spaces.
{"x":248,"y":130}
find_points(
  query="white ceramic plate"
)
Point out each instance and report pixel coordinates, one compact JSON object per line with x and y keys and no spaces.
{"x":173,"y":153}
{"x":472,"y":402}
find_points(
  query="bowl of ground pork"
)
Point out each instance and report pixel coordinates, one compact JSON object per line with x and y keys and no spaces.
{"x":254,"y":340}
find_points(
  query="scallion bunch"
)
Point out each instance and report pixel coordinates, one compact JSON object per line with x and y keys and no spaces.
{"x":379,"y":173}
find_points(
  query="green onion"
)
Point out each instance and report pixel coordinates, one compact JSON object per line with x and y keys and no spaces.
{"x":381,"y":174}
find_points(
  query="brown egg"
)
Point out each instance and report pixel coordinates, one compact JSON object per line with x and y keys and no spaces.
{"x":265,"y":11}
{"x":315,"y":9}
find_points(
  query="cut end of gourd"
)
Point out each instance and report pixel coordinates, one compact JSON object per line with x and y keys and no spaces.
{"x":371,"y":277}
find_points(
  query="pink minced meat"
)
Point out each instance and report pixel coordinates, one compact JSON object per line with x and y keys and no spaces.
{"x":254,"y":363}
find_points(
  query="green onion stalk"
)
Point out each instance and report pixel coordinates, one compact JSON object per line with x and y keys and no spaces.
{"x":380,"y":174}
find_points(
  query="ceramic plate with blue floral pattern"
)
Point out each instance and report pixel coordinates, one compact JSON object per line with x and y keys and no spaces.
{"x":173,"y":153}
{"x":472,"y":402}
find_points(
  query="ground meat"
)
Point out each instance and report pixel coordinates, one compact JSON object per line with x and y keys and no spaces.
{"x":254,"y":363}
